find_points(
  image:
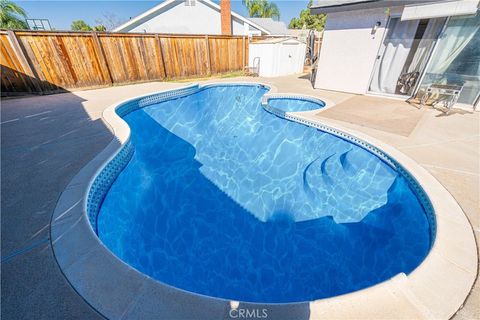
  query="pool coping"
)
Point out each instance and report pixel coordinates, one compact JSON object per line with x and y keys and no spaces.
{"x":437,"y":288}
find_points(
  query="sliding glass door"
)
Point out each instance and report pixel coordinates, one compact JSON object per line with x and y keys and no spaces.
{"x":456,"y":59}
{"x":404,"y":55}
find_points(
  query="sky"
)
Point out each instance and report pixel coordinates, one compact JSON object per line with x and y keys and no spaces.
{"x":62,"y":13}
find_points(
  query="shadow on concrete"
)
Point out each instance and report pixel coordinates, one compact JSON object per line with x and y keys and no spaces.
{"x":45,"y":141}
{"x":15,"y":83}
{"x":305,"y":76}
{"x":453,"y":111}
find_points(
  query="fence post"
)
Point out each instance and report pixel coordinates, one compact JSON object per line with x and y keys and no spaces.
{"x":160,"y":53}
{"x":101,"y":57}
{"x":17,"y":49}
{"x":243,"y":53}
{"x":209,"y":65}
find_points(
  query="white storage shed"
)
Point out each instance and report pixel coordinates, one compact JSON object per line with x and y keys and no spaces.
{"x":277,"y":57}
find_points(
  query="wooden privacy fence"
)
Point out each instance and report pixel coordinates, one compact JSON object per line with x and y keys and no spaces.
{"x":46,"y":62}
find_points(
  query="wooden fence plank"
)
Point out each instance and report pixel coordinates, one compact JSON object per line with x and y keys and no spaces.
{"x":160,"y":59}
{"x":19,"y":53}
{"x":45,"y":61}
{"x":11,"y":70}
{"x":209,"y":64}
{"x":101,"y":58}
{"x":27,"y":45}
{"x":65,"y":56}
{"x":27,"y":68}
{"x":42,"y":69}
{"x":243,"y":53}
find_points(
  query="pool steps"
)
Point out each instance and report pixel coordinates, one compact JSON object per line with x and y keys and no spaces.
{"x":107,"y":175}
{"x":414,"y":184}
{"x":91,"y":269}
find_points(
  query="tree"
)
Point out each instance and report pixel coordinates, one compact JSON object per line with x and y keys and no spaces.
{"x":80,"y":25}
{"x":109,"y":20}
{"x":12,"y":15}
{"x":308,"y":20}
{"x":99,"y":28}
{"x":262,"y":9}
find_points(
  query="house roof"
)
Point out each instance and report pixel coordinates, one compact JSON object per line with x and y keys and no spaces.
{"x":152,"y":12}
{"x":275,"y":27}
{"x":335,"y":3}
{"x":328,"y":6}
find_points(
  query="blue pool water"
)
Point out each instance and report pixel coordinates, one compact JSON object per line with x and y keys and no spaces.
{"x":294,"y":104}
{"x":225,"y":199}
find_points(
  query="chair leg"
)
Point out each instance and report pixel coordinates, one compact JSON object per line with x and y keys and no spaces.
{"x":424,"y":99}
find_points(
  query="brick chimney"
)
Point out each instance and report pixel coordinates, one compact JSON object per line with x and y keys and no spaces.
{"x":226,"y":17}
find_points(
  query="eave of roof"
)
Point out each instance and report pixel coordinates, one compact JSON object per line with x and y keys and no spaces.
{"x":275,"y":27}
{"x":330,"y":6}
{"x":277,"y":40}
{"x":165,"y":3}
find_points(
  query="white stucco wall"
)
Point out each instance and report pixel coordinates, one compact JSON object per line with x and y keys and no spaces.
{"x":237,"y":28}
{"x":181,"y":19}
{"x":349,"y":50}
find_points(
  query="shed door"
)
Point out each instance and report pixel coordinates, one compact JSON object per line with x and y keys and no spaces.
{"x":288,"y":61}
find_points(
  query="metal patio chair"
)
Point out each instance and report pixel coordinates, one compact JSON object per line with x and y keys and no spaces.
{"x":447,"y":94}
{"x":254,"y":69}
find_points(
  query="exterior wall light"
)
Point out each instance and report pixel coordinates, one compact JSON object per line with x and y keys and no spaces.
{"x":375,"y":27}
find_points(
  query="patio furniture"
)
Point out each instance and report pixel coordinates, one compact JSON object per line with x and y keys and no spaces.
{"x":254,"y":69}
{"x":313,"y":73}
{"x":406,"y":82}
{"x":310,"y":56}
{"x":447,"y":94}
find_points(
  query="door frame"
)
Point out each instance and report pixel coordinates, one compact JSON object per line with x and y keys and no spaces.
{"x":378,"y":58}
{"x":377,"y":55}
{"x":429,"y":58}
{"x":422,"y":74}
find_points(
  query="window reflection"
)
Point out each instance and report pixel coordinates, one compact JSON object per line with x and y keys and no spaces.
{"x":456,"y":60}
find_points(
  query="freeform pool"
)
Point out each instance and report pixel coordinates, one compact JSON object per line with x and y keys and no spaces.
{"x":225,"y":199}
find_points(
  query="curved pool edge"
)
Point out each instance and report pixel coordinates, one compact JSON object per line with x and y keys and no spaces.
{"x":435,"y":289}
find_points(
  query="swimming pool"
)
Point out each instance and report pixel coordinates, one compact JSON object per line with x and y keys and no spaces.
{"x":225,"y":199}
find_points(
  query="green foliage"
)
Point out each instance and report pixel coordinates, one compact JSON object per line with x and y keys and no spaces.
{"x":262,"y":9}
{"x":12,"y":16}
{"x":80,"y":25}
{"x":99,"y":28}
{"x":308,"y":20}
{"x":109,"y":21}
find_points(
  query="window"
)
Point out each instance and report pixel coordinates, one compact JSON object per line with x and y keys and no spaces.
{"x":404,"y":55}
{"x":190,"y":3}
{"x":456,"y":60}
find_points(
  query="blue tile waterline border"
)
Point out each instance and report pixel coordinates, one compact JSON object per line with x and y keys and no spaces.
{"x":389,"y":160}
{"x":110,"y":171}
{"x":279,"y":96}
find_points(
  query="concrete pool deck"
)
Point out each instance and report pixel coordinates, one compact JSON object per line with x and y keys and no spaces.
{"x":35,"y":171}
